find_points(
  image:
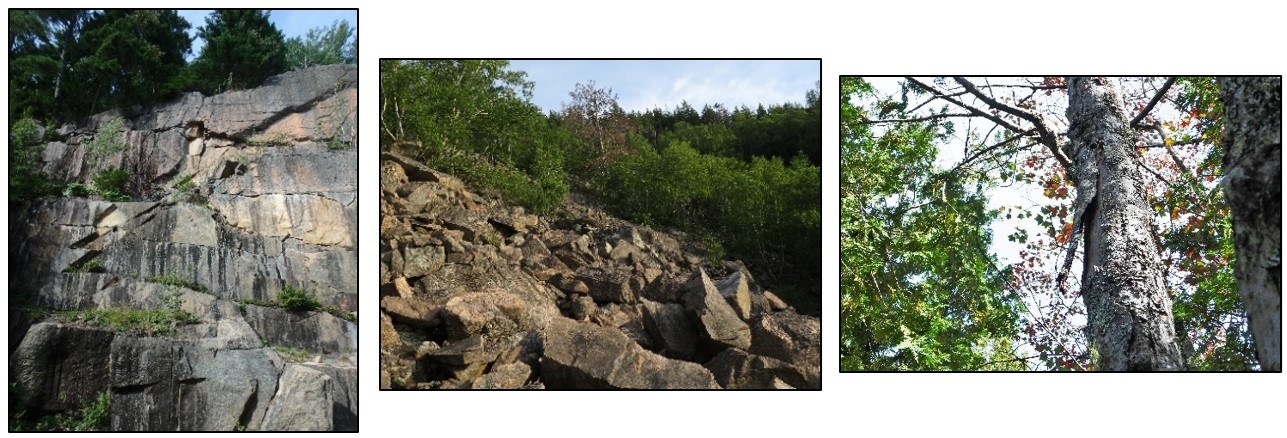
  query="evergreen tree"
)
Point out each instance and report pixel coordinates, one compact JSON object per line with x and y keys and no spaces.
{"x":242,"y":49}
{"x":126,"y":57}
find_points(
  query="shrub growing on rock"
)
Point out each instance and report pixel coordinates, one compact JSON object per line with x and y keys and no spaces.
{"x":294,"y":298}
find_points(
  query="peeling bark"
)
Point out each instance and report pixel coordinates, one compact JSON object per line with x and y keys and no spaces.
{"x":1253,"y":185}
{"x":1130,"y":326}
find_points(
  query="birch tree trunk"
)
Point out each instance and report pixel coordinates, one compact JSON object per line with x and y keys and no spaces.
{"x":1253,"y":185}
{"x":1128,"y":308}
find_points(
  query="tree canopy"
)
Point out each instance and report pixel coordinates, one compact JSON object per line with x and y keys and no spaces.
{"x":69,"y":63}
{"x":242,"y":49}
{"x":904,"y":156}
{"x":333,"y":44}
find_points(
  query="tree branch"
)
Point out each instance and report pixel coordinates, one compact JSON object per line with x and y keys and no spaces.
{"x":1041,"y":129}
{"x":1135,"y":122}
{"x":1161,"y":131}
{"x":1049,"y":139}
{"x":978,"y":112}
{"x":913,"y":119}
{"x":991,"y":148}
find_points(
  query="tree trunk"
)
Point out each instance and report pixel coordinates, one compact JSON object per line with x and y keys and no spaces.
{"x":1253,"y":185}
{"x":1130,"y":326}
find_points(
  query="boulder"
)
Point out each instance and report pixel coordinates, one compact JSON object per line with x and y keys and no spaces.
{"x":390,"y":341}
{"x":309,"y":330}
{"x":421,"y":261}
{"x":472,"y":350}
{"x":581,"y":355}
{"x":734,"y":288}
{"x":717,"y":322}
{"x":344,"y":393}
{"x":59,"y":367}
{"x":791,"y":338}
{"x":302,"y":402}
{"x":490,"y":312}
{"x":569,"y":283}
{"x":673,"y":334}
{"x":508,"y":376}
{"x":415,"y":312}
{"x":774,"y":303}
{"x":609,"y":286}
{"x":735,"y":369}
{"x":581,"y":307}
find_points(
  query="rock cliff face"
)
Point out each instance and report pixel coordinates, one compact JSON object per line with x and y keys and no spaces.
{"x":239,"y":196}
{"x":478,"y":294}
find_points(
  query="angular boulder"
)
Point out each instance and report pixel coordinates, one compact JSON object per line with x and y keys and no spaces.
{"x":717,"y":322}
{"x":586,"y":356}
{"x":302,"y":402}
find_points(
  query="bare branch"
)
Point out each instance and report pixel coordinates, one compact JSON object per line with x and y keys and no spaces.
{"x":1003,"y":107}
{"x":933,"y":99}
{"x":1032,"y":87}
{"x":978,"y":112}
{"x":1048,"y":138}
{"x":1135,"y":122}
{"x":991,"y":148}
{"x":914,"y":119}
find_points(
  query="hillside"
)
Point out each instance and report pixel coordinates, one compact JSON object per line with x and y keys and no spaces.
{"x":215,"y":287}
{"x":476,"y":293}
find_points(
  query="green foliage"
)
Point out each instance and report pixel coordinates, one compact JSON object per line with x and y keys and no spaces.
{"x":713,"y":139}
{"x":110,"y":184}
{"x":277,"y":139}
{"x":174,"y":280}
{"x":91,"y":265}
{"x":919,"y":290}
{"x":242,"y":49}
{"x":714,"y":249}
{"x":108,"y":139}
{"x":474,"y":119}
{"x":26,"y":181}
{"x":767,"y":212}
{"x":128,"y":57}
{"x":292,"y":354}
{"x":70,"y":63}
{"x":294,"y":298}
{"x":156,"y":321}
{"x":322,"y":46}
{"x":93,"y":418}
{"x":783,"y":131}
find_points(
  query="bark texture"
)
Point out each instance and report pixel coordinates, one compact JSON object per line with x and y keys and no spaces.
{"x":1253,"y":185}
{"x":1129,"y":311}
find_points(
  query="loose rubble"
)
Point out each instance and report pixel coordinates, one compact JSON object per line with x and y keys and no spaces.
{"x":477,"y":294}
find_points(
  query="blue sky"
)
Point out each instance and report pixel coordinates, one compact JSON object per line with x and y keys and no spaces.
{"x":292,"y":23}
{"x":643,"y":85}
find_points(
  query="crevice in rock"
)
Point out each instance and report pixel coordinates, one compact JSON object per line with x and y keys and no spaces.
{"x":133,"y":389}
{"x":252,"y":402}
{"x":85,"y":241}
